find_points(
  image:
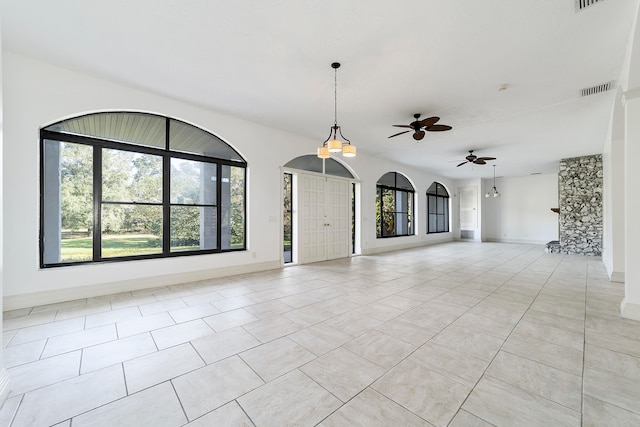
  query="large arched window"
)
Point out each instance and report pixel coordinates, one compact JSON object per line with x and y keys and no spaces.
{"x":437,"y":209}
{"x":129,"y":185}
{"x":394,"y":206}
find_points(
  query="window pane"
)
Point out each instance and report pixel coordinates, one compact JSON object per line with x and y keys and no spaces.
{"x":431,"y":201}
{"x":131,"y":177}
{"x":190,"y":139}
{"x":440,"y":201}
{"x":402,"y":224}
{"x":232,"y":188}
{"x":388,"y":224}
{"x":403,"y":182}
{"x":388,"y":179}
{"x":68,"y":202}
{"x":433,"y":223}
{"x":441,"y":223}
{"x":129,"y":230}
{"x":446,"y":218}
{"x":193,"y":183}
{"x":193,"y":228}
{"x":133,"y":128}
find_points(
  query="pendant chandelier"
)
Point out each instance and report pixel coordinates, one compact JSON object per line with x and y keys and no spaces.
{"x":494,"y":191}
{"x":332,"y":144}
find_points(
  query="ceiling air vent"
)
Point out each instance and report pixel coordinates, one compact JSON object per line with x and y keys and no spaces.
{"x":583,"y":4}
{"x":587,"y":91}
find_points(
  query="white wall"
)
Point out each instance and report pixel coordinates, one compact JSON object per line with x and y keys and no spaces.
{"x":4,"y":374}
{"x":37,"y":94}
{"x":522,"y":214}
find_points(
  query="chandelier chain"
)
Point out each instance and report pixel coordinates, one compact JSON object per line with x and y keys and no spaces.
{"x":335,"y":97}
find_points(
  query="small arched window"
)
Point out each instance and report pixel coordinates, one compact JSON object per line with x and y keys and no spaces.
{"x":312,"y":163}
{"x":394,"y":206}
{"x":437,"y":209}
{"x":131,"y":185}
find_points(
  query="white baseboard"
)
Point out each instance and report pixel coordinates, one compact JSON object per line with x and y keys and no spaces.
{"x":447,"y":237}
{"x":519,"y":241}
{"x":14,"y":302}
{"x":630,"y":310}
{"x":4,"y":385}
{"x":617,"y":276}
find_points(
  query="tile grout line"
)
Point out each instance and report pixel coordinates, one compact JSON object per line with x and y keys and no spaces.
{"x":507,"y":338}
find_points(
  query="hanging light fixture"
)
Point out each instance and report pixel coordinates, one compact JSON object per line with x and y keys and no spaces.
{"x":332,"y":144}
{"x":494,"y":191}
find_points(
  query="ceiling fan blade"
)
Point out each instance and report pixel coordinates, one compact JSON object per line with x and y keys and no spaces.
{"x":400,"y":133}
{"x":429,"y":121}
{"x":463,"y":163}
{"x":418,"y":135}
{"x":403,"y":126}
{"x":479,"y":162}
{"x":486,"y":158}
{"x":438,"y":128}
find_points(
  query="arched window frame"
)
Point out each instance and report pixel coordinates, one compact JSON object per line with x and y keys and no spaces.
{"x":437,"y":209}
{"x":221,"y":207}
{"x":396,"y":220}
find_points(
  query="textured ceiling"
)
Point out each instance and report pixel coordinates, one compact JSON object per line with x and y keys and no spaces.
{"x":268,"y":61}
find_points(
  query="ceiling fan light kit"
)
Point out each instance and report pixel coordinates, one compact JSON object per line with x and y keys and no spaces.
{"x":332,"y":144}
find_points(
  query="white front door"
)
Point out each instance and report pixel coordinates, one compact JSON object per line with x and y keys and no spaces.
{"x":325,"y":231}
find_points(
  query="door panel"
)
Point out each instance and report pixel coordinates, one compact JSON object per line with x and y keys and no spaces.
{"x":338,"y":218}
{"x":312,"y":242}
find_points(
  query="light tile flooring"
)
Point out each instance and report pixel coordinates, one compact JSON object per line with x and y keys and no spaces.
{"x":458,"y":334}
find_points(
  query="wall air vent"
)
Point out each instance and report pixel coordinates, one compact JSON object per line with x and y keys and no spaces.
{"x":587,"y":91}
{"x":583,"y":4}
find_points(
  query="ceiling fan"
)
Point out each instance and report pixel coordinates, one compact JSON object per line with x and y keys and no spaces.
{"x":472,"y":158}
{"x":428,"y":124}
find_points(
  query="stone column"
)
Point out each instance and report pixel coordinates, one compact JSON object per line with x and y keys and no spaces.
{"x":580,"y":199}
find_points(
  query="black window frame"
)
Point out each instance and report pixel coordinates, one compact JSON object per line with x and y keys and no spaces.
{"x":439,"y":196}
{"x":396,"y":188}
{"x":167,"y":154}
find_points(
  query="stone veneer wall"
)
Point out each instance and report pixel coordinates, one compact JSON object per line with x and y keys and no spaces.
{"x":580,"y":200}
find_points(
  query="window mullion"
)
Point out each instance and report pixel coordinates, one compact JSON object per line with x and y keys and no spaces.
{"x":166,"y":204}
{"x":97,"y":203}
{"x":219,"y":207}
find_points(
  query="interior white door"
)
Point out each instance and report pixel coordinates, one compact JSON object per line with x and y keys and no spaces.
{"x":325,"y":212}
{"x":468,"y":209}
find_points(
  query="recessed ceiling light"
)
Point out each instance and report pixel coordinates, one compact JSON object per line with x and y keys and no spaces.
{"x":502,"y":87}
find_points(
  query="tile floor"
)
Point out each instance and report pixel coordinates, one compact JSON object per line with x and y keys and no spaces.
{"x":458,"y":334}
